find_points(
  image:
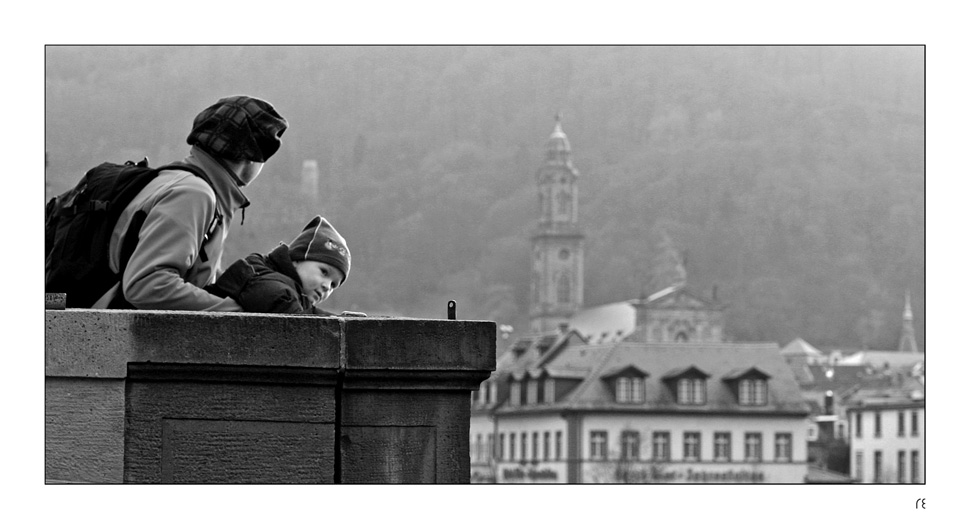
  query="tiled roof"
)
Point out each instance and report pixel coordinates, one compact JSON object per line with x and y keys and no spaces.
{"x":533,"y":349}
{"x":661,"y":358}
{"x":843,"y":377}
{"x":799,"y":346}
{"x":908,"y":390}
{"x":678,"y":372}
{"x":565,"y":372}
{"x":881,"y":358}
{"x":509,"y":360}
{"x":619,"y":370}
{"x":743,"y":372}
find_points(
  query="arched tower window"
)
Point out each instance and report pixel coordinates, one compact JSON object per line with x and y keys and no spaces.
{"x":563,"y":200}
{"x":563,"y":289}
{"x":536,"y":286}
{"x":681,"y":337}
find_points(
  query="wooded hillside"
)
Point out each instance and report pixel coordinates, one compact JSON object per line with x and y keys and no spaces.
{"x":791,"y":177}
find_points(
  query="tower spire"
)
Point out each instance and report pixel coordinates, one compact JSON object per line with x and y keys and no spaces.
{"x":907,"y":340}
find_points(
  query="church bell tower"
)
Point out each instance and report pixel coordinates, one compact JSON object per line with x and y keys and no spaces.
{"x":557,"y":242}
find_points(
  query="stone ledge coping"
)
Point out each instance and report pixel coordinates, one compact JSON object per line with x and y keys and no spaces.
{"x":101,"y":343}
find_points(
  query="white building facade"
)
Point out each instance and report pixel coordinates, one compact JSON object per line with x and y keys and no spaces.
{"x":887,"y":441}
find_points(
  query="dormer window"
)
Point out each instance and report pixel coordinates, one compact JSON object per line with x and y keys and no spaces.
{"x":515,"y":393}
{"x":689,"y":385}
{"x":549,"y":392}
{"x":532,"y":392}
{"x":753,"y":392}
{"x":691,"y":391}
{"x":750,"y":386}
{"x":627,"y":383}
{"x":629,"y":389}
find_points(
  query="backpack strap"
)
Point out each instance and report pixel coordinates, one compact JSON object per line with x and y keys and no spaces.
{"x":216,"y":219}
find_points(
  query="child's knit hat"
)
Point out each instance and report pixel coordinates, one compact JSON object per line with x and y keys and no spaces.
{"x":319,"y":241}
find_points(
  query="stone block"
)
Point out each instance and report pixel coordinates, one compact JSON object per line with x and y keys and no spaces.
{"x":186,"y":397}
{"x":84,"y":422}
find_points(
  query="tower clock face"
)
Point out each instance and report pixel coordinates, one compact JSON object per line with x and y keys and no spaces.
{"x":564,"y":254}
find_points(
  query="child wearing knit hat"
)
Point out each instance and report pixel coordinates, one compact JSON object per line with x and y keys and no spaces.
{"x":293,"y":278}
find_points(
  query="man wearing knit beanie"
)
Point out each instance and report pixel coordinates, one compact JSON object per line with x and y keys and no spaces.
{"x":292,"y":278}
{"x":168,"y":242}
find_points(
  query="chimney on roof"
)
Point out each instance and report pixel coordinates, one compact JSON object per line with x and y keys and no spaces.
{"x":563,"y":328}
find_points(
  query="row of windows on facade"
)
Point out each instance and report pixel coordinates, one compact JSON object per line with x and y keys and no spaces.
{"x":900,"y":424}
{"x":879,"y":474}
{"x":483,"y":447}
{"x":690,"y":391}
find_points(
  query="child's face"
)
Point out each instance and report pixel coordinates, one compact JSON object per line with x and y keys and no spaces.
{"x":319,"y":279}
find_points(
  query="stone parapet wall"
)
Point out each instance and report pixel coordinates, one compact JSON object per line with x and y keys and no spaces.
{"x":180,"y":397}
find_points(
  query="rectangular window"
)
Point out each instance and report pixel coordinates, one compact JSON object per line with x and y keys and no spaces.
{"x":752,"y":446}
{"x":535,"y":446}
{"x":661,"y":446}
{"x":597,"y":444}
{"x":478,"y":447}
{"x":914,"y":427}
{"x":877,"y":429}
{"x":630,"y":445}
{"x":901,"y":424}
{"x":858,"y":424}
{"x":532,"y":392}
{"x":493,"y":395}
{"x":901,"y":467}
{"x":760,"y":392}
{"x":783,"y":447}
{"x":858,"y":465}
{"x":515,"y":395}
{"x":841,"y":431}
{"x":511,"y":447}
{"x":549,"y":394}
{"x":545,"y":446}
{"x":692,"y":446}
{"x":914,"y":476}
{"x":629,"y":389}
{"x":700,"y":390}
{"x":877,"y":466}
{"x":558,"y":446}
{"x":691,"y":391}
{"x":722,"y":446}
{"x":684,"y":391}
{"x":753,"y":392}
{"x":638,"y":393}
{"x":623,"y":389}
{"x":501,"y":447}
{"x":524,"y":438}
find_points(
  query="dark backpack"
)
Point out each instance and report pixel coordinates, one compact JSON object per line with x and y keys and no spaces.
{"x":78,"y":227}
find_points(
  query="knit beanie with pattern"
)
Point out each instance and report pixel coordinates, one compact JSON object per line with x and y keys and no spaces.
{"x":238,"y":128}
{"x":319,"y":241}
